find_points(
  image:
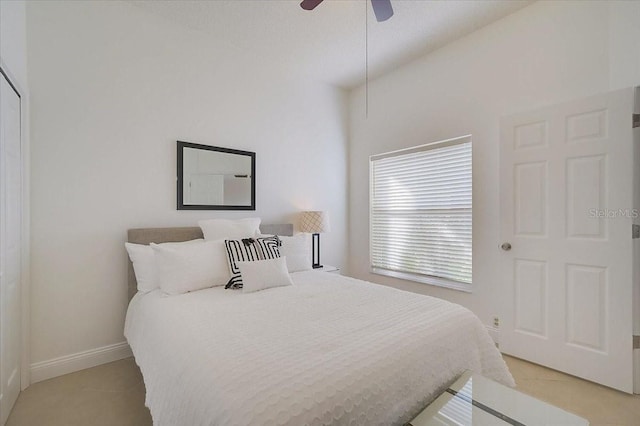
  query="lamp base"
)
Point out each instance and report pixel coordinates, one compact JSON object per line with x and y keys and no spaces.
{"x":315,"y":251}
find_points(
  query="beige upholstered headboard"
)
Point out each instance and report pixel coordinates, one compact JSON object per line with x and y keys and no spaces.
{"x":169,"y":235}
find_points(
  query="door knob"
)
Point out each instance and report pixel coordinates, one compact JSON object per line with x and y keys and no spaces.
{"x":506,"y":246}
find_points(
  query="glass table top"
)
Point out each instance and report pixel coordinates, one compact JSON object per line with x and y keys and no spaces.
{"x":476,"y":400}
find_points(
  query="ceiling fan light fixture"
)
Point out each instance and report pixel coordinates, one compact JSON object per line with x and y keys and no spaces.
{"x":382,"y":9}
{"x":310,"y":4}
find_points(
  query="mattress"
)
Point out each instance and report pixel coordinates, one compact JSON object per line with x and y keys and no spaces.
{"x":329,"y":350}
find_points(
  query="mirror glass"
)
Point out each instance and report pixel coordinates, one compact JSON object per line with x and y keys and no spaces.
{"x":215,"y":178}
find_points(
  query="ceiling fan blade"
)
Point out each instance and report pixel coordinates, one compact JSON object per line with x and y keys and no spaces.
{"x":382,"y":9}
{"x":310,"y":4}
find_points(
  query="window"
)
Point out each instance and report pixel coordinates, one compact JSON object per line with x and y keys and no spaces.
{"x":421,"y":213}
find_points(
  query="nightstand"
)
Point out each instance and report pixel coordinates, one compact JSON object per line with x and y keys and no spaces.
{"x":328,"y":268}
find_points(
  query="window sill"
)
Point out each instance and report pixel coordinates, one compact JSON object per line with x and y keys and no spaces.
{"x":424,"y":279}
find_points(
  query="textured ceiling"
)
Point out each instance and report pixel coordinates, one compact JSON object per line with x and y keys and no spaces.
{"x":328,"y":43}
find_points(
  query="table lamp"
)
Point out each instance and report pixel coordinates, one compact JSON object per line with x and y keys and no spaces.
{"x":315,"y":222}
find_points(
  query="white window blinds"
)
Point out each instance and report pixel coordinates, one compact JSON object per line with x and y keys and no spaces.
{"x":421,"y":213}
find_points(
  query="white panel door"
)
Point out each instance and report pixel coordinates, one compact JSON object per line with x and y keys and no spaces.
{"x":566,"y":176}
{"x":10,"y":247}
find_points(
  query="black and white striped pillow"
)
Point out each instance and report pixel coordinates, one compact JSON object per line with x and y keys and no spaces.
{"x":269,"y":247}
{"x":245,"y":250}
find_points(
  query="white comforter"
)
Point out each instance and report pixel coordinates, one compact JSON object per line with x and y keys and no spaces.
{"x":328,"y":350}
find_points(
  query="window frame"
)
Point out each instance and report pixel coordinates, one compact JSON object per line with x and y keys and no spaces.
{"x":411,"y":276}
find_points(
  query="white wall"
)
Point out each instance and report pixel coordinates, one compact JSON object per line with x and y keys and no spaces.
{"x":113,"y":88}
{"x":546,"y":53}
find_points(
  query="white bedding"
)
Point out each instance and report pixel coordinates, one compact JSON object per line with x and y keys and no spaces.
{"x":327,"y":350}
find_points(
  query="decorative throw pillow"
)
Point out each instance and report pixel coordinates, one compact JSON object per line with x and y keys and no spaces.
{"x":264,"y":274}
{"x":269,"y":247}
{"x":245,"y":250}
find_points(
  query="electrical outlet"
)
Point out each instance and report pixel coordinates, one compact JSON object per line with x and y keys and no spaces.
{"x":496,"y":322}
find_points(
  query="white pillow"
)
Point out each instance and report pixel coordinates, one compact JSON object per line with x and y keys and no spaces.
{"x":263,"y":274}
{"x":191,"y":267}
{"x":226,"y":229}
{"x":144,"y":263}
{"x":297,"y":250}
{"x":144,"y":266}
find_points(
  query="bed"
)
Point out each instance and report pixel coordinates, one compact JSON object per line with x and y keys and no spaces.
{"x":327,"y":350}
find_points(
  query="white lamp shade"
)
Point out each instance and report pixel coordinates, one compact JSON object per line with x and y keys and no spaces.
{"x":314,"y":222}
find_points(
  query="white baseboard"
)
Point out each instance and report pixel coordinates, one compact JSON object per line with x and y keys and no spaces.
{"x":79,"y":361}
{"x":495,"y":334}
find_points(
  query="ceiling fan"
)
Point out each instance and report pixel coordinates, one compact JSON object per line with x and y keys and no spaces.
{"x":382,"y":8}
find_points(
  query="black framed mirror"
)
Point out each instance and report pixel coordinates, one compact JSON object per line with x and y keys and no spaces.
{"x":215,"y":178}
